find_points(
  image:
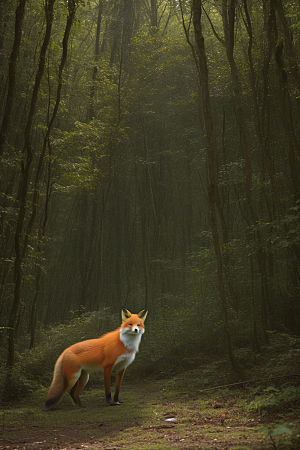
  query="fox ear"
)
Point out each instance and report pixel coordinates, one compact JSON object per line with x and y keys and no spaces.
{"x":143,"y":314}
{"x":125,"y":314}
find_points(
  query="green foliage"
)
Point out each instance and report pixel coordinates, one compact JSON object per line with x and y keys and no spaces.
{"x":122,"y":197}
{"x":270,"y":398}
{"x":37,"y":364}
{"x":283,"y":434}
{"x":14,"y":385}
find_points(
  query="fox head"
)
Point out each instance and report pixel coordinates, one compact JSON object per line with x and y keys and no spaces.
{"x":133,"y":323}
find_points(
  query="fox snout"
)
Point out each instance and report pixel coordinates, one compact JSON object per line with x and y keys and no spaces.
{"x":135,"y":330}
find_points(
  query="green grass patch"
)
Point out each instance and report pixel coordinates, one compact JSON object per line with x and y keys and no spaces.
{"x":201,"y":406}
{"x":159,"y":414}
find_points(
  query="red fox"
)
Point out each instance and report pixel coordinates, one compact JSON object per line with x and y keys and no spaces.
{"x":114,"y":350}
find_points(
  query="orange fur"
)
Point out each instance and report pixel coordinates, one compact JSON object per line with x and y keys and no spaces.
{"x":116,"y":350}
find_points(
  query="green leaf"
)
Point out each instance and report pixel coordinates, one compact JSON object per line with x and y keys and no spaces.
{"x":271,"y":389}
{"x":281,"y":429}
{"x":264,"y":430}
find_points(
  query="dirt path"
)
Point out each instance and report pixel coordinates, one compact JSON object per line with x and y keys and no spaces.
{"x":156,"y":415}
{"x":166,"y":427}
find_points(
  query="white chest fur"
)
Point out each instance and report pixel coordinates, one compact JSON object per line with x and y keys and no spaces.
{"x":123,"y":361}
{"x":131,"y":342}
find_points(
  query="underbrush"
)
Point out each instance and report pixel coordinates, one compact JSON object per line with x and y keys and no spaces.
{"x":165,"y":351}
{"x":271,"y":398}
{"x":37,"y":364}
{"x":34,"y":368}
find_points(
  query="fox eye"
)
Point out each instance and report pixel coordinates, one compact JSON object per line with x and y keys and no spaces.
{"x":130,"y":323}
{"x":138,"y":324}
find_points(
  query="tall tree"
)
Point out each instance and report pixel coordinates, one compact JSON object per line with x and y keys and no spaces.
{"x":211,"y":156}
{"x":20,"y":241}
{"x":47,"y":145}
{"x":12,"y":73}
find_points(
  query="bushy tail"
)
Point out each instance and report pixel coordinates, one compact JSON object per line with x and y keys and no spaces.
{"x":57,"y":388}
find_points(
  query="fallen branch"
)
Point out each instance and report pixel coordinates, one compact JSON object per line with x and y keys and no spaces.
{"x":249,"y":381}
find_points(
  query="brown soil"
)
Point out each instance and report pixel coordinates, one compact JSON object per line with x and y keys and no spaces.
{"x":152,"y":425}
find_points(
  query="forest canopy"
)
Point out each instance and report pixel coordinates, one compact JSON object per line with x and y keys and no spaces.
{"x":150,"y":157}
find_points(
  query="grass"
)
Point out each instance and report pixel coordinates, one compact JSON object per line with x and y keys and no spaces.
{"x":163,"y":414}
{"x":154,"y":415}
{"x":184,"y":411}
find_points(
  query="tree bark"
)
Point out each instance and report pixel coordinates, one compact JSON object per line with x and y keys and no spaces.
{"x":228,"y":16}
{"x":153,"y":13}
{"x":42,"y":231}
{"x":21,"y":247}
{"x":12,"y":75}
{"x":210,"y":143}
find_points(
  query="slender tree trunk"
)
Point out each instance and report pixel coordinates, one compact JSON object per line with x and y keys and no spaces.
{"x":127,"y":33}
{"x":115,"y":30}
{"x":154,"y":13}
{"x":222,"y":195}
{"x":290,"y":48}
{"x":70,"y":18}
{"x":210,"y":142}
{"x":12,"y":74}
{"x":97,"y":55}
{"x":3,"y":26}
{"x":228,"y":16}
{"x":21,"y":247}
{"x":286,"y":108}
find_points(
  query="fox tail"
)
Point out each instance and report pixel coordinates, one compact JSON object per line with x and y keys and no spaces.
{"x":57,"y":388}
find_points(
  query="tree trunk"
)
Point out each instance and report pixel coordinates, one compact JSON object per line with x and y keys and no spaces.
{"x":210,"y":142}
{"x":127,"y":33}
{"x":21,"y":247}
{"x":228,"y":16}
{"x":12,"y":74}
{"x":42,"y":232}
{"x":154,"y":13}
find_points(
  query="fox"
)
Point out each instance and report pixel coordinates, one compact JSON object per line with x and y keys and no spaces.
{"x":115,"y":350}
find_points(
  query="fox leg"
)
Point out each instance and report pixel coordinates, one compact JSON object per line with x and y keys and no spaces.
{"x":119,"y":379}
{"x":78,"y":386}
{"x":72,"y":392}
{"x":107,"y":374}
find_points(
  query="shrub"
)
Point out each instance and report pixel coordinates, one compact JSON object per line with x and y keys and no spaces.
{"x":13,"y":384}
{"x":38,"y":363}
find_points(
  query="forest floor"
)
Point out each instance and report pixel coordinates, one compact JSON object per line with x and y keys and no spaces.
{"x":207,"y":408}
